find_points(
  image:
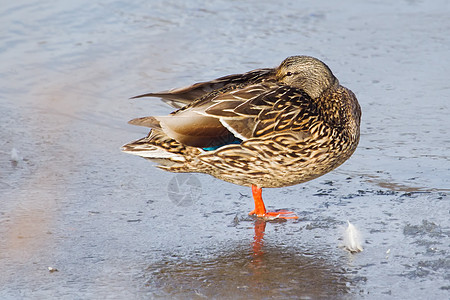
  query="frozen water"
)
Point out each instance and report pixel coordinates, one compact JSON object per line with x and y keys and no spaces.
{"x":106,"y":220}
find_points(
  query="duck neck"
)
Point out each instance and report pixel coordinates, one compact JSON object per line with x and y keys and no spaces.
{"x":339,"y":109}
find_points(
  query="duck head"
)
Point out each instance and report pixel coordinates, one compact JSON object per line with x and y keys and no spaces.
{"x":307,"y":73}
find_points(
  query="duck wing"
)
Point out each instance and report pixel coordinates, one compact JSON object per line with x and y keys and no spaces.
{"x":253,"y":111}
{"x":181,"y":96}
{"x":262,"y":109}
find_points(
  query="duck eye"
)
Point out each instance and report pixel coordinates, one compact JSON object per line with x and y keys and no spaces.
{"x":289,"y":74}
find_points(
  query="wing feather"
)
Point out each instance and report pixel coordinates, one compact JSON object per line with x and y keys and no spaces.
{"x":266,"y":108}
{"x":179,"y":97}
{"x":227,"y":110}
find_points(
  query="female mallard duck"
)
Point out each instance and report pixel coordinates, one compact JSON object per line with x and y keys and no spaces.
{"x":264,"y":128}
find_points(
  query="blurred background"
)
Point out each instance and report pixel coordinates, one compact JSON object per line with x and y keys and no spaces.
{"x":81,"y":220}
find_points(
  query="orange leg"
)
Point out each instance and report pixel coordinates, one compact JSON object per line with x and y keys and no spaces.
{"x":260,"y":209}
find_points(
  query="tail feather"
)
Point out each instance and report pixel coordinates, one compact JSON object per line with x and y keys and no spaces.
{"x":151,"y":152}
{"x":157,"y":147}
{"x":151,"y":122}
{"x":180,"y":97}
{"x":174,"y":100}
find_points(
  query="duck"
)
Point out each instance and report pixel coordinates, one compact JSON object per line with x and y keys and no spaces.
{"x":266,"y":128}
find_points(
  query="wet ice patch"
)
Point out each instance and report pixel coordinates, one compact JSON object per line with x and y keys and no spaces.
{"x":352,"y":239}
{"x":428,"y":228}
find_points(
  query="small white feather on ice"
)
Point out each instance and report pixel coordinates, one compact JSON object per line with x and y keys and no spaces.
{"x":15,"y":155}
{"x":352,"y":239}
{"x":51,"y":269}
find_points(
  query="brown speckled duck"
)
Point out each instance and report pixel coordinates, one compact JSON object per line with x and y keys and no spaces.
{"x":270,"y":127}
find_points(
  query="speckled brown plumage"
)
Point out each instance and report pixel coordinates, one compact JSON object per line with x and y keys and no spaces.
{"x":268,"y":127}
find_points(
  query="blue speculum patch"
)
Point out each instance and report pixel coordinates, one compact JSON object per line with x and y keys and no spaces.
{"x":235,"y":140}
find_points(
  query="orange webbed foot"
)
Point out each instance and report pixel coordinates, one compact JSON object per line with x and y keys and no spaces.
{"x":261,"y":212}
{"x":273,"y":215}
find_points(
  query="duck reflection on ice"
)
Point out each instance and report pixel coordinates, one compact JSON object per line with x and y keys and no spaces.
{"x":258,"y":239}
{"x":249,"y":270}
